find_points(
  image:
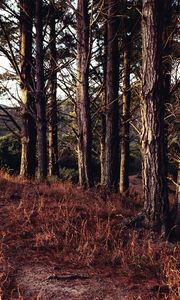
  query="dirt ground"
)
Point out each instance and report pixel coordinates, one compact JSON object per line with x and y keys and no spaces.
{"x":49,"y":283}
{"x":37,"y":281}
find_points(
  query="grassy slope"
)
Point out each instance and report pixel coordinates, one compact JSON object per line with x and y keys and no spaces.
{"x":60,"y":224}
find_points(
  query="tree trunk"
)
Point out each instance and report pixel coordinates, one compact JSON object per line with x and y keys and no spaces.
{"x":28,"y":133}
{"x":52,"y":103}
{"x":103,"y":146}
{"x":112,"y":107}
{"x":83,"y":101}
{"x":177,"y":221}
{"x":40,"y":96}
{"x":124,"y":163}
{"x":152,"y":109}
{"x":103,"y":114}
{"x":167,"y":48}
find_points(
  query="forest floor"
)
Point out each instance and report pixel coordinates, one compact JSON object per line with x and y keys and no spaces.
{"x":57,"y":242}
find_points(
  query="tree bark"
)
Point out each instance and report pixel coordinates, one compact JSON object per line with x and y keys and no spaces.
{"x":28,"y":132}
{"x":83,"y":101}
{"x":152,"y":110}
{"x":167,"y":48}
{"x":112,"y":107}
{"x":177,"y":221}
{"x":40,"y":96}
{"x":103,"y":146}
{"x":124,"y":152}
{"x":52,"y":103}
{"x":103,"y":114}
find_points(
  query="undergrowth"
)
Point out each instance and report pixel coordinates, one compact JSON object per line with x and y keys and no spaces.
{"x":59,"y":223}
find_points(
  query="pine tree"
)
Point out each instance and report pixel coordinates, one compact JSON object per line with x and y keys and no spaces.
{"x":112,"y":108}
{"x":53,"y":168}
{"x":83,"y":100}
{"x":152,"y":108}
{"x":40,"y":94}
{"x":28,"y":130}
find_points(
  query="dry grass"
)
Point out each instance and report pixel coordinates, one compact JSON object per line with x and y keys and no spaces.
{"x":61,"y":224}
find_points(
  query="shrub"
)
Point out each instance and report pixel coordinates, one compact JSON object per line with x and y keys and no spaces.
{"x":69,"y":175}
{"x":10,"y":153}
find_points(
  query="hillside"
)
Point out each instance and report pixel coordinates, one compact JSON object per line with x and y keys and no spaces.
{"x":58,"y":242}
{"x":5,"y":121}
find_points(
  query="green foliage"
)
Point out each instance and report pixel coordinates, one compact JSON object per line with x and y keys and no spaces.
{"x":68,"y":159}
{"x":135,"y":158}
{"x":69,"y":175}
{"x":68,"y":166}
{"x":10,"y":153}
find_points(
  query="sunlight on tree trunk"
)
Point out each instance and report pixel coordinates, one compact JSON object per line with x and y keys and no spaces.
{"x":124,"y":150}
{"x":83,"y":100}
{"x":28,"y":133}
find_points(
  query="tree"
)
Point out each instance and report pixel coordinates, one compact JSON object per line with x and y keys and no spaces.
{"x":124,"y":151}
{"x":103,"y":113}
{"x":177,"y":221}
{"x":131,"y":44}
{"x":152,"y":110}
{"x":24,"y":73}
{"x":112,"y":107}
{"x":28,"y":128}
{"x":40,"y":94}
{"x":52,"y":101}
{"x":83,"y":100}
